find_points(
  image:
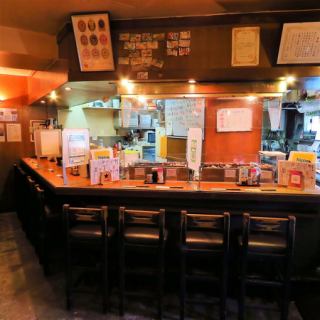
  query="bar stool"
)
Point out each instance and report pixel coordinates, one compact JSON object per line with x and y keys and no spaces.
{"x":87,"y":229}
{"x":48,"y":221}
{"x":204,"y":234}
{"x":20,"y":191}
{"x":31,"y":219}
{"x":267,"y":240}
{"x":145,"y":230}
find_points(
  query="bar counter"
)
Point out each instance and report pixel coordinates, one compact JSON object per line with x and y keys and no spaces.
{"x":266,"y":200}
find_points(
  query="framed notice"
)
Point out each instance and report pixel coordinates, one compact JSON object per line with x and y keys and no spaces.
{"x":245,"y":46}
{"x":300,"y":43}
{"x":93,"y":40}
{"x":234,"y":119}
{"x":14,"y":132}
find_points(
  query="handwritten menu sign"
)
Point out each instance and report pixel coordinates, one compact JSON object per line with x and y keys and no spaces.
{"x":93,"y":40}
{"x":300,"y":43}
{"x":182,"y":114}
{"x":234,"y":119}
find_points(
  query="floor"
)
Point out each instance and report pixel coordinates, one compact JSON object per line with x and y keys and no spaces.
{"x":26,"y":294}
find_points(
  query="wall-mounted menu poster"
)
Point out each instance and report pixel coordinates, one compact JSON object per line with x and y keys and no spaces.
{"x":300,"y":43}
{"x":8,"y":114}
{"x":234,"y":119}
{"x":93,"y":40}
{"x":245,"y":46}
{"x":14,"y":132}
{"x":182,"y":114}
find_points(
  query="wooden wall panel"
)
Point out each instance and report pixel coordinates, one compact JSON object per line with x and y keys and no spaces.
{"x":14,"y":89}
{"x":231,"y":146}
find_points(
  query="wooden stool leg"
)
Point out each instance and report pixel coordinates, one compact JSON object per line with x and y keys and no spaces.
{"x":182,"y":284}
{"x":160,"y":282}
{"x":242,"y":293}
{"x":105,"y":288}
{"x":121,"y":280}
{"x":68,"y":279}
{"x":286,"y":292}
{"x":223,"y":292}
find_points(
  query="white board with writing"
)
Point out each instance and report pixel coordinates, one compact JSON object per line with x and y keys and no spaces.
{"x":234,"y":119}
{"x":300,"y":43}
{"x":182,"y":114}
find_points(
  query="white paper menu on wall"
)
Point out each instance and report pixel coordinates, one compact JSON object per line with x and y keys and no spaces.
{"x":182,"y":114}
{"x":300,"y":43}
{"x":75,"y":147}
{"x":234,"y":119}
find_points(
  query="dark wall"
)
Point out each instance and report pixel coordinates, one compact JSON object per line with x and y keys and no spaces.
{"x":210,"y":58}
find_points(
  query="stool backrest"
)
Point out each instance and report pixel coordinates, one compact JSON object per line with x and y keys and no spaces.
{"x":84,"y":215}
{"x":219,"y":223}
{"x":282,"y":227}
{"x":142,"y":218}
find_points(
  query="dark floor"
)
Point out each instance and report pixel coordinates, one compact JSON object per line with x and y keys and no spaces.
{"x":25,"y":294}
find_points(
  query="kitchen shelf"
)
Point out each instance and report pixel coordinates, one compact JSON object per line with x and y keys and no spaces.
{"x":99,"y":108}
{"x":136,"y":128}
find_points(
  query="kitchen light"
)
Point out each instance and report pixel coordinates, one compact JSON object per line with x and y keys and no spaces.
{"x":251,"y":98}
{"x":290,"y":79}
{"x":16,"y":72}
{"x":53,"y":95}
{"x":124,"y":82}
{"x":142,"y":99}
{"x":67,"y":89}
{"x":2,"y":98}
{"x":42,"y":101}
{"x":192,"y":81}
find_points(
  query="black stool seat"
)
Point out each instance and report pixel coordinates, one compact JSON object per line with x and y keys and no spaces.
{"x":265,"y":243}
{"x":143,"y":235}
{"x":89,"y":231}
{"x":203,"y":239}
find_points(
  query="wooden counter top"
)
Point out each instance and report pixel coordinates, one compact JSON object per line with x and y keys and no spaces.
{"x":51,"y":175}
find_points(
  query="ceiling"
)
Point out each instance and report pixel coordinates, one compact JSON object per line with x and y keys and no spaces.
{"x":49,"y":16}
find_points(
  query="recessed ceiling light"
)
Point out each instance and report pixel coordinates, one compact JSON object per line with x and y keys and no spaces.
{"x":43,"y":101}
{"x":192,"y":81}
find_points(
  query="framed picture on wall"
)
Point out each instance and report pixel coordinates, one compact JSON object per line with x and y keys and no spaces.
{"x":93,"y":41}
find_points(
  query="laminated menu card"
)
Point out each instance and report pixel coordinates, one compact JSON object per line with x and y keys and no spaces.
{"x":297,"y":175}
{"x":104,"y":170}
